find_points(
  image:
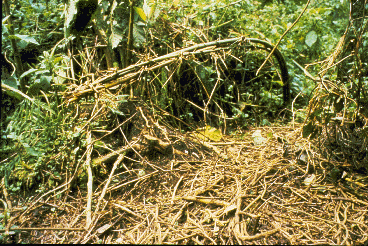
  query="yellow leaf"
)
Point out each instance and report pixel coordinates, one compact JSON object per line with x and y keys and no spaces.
{"x":209,"y":133}
{"x":141,"y":13}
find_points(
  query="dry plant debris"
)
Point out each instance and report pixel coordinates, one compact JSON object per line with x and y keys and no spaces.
{"x":337,"y":112}
{"x":160,"y":186}
{"x":171,"y":188}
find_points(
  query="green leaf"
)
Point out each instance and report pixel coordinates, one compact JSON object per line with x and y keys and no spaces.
{"x":44,"y":106}
{"x":12,"y":135}
{"x":138,"y":33}
{"x":25,"y":38}
{"x":116,"y":36}
{"x":279,"y":82}
{"x":308,"y":129}
{"x":311,"y":38}
{"x":5,"y":19}
{"x":32,"y":70}
{"x":150,"y":9}
{"x":33,"y":152}
{"x":69,"y":16}
{"x":99,"y":144}
{"x":339,"y":104}
{"x":10,"y":82}
{"x":117,"y":111}
{"x":122,"y":98}
{"x":58,"y":59}
{"x":42,"y":71}
{"x":45,"y":83}
{"x":147,"y":7}
{"x":25,"y":145}
{"x":316,"y":131}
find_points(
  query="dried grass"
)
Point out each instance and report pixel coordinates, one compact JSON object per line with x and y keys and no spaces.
{"x":189,"y":194}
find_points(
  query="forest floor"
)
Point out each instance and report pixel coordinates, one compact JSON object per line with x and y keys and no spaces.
{"x":264,"y":185}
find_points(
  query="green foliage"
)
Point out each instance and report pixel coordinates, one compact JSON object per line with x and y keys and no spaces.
{"x":313,"y":38}
{"x":36,"y":23}
{"x":34,"y":134}
{"x":345,"y":98}
{"x":36,"y":27}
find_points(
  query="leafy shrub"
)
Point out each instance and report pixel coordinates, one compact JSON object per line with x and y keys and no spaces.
{"x":36,"y":145}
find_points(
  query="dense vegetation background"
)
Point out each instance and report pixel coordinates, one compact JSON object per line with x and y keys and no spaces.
{"x":50,"y":48}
